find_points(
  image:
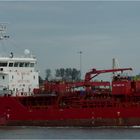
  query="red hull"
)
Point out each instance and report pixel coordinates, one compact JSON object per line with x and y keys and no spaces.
{"x":12,"y":112}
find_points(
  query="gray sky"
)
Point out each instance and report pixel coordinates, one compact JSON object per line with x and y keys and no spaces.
{"x":56,"y":31}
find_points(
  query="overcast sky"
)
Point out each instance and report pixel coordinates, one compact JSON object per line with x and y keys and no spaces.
{"x":56,"y":31}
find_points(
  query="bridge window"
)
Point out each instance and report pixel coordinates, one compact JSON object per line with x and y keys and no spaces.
{"x":21,"y":64}
{"x":4,"y":64}
{"x":16,"y":64}
{"x":26,"y":64}
{"x":32,"y":65}
{"x":10,"y":64}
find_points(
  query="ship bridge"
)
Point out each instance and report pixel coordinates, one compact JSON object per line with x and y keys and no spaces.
{"x":18,"y":76}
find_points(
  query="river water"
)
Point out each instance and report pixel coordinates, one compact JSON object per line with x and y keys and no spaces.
{"x":68,"y":133}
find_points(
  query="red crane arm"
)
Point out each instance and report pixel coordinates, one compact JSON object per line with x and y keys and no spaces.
{"x":88,"y":75}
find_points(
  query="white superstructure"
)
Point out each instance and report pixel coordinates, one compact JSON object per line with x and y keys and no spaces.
{"x":18,"y":76}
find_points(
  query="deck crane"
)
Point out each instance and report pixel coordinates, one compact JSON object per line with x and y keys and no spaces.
{"x":93,"y":73}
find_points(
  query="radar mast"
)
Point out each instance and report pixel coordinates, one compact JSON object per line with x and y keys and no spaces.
{"x":3,"y":32}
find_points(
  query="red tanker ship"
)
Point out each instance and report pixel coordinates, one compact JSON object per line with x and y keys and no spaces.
{"x":99,"y":103}
{"x":59,"y":104}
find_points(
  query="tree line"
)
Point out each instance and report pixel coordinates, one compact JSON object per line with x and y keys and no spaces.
{"x":65,"y":74}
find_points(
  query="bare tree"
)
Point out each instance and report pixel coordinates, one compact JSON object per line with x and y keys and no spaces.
{"x":69,"y":74}
{"x":48,"y":74}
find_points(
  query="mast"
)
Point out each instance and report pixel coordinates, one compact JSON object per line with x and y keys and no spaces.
{"x":115,"y":65}
{"x":3,"y":32}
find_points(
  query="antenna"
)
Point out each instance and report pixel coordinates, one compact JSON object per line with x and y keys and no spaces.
{"x":3,"y":32}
